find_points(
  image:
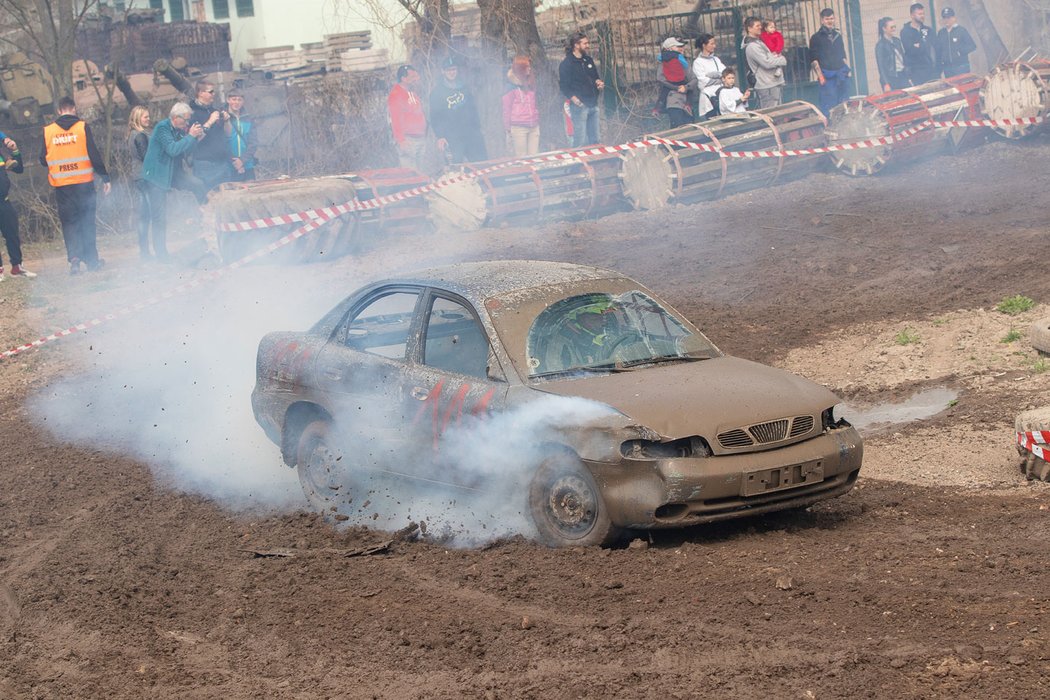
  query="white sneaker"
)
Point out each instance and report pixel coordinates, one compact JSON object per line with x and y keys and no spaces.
{"x":1,"y":274}
{"x":19,"y":271}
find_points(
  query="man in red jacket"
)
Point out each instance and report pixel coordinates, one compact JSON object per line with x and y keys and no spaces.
{"x":408,"y":119}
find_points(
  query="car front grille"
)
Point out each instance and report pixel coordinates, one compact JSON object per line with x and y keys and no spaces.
{"x":766,"y":433}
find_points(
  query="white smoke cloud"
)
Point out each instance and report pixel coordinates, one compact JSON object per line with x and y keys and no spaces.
{"x":171,"y":386}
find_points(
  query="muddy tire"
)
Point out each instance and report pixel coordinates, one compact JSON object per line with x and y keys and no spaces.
{"x":1033,"y":467}
{"x":567,"y":506}
{"x":1039,"y":334}
{"x":321,"y":471}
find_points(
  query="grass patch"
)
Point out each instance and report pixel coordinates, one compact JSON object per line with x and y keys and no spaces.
{"x":906,"y":337}
{"x":953,"y":403}
{"x":1040,"y":365}
{"x":940,"y":321}
{"x":1012,"y":336}
{"x":1017,"y":304}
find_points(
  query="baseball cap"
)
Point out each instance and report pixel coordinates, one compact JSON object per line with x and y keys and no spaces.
{"x":671,"y":43}
{"x":403,"y":70}
{"x":947,"y":12}
{"x":449,"y":62}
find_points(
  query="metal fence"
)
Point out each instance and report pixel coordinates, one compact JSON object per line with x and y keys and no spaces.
{"x":628,"y":48}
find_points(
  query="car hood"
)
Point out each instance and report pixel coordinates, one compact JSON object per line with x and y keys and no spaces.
{"x":703,"y":397}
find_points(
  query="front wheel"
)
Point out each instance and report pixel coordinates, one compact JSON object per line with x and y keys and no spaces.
{"x":567,"y":507}
{"x":321,"y":469}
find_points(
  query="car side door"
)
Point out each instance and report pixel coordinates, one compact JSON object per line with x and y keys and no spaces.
{"x":454,"y":379}
{"x":362,"y":369}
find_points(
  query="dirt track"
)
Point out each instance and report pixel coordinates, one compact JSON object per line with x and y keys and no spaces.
{"x":928,"y":580}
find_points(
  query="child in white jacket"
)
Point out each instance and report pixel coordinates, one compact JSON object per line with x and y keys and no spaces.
{"x":730,"y":99}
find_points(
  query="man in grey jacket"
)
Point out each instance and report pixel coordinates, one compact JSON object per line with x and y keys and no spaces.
{"x":769,"y":81}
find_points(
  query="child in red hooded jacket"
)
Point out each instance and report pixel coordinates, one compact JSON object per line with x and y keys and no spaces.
{"x":774,"y":40}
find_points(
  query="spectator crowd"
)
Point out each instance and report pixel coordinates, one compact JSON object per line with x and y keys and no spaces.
{"x":202,"y":143}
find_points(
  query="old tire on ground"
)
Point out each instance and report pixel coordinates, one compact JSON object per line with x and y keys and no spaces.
{"x":1036,"y":419}
{"x":567,"y":506}
{"x":1039,"y":334}
{"x":318,"y":464}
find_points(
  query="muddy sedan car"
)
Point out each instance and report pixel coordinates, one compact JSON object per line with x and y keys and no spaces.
{"x":676,"y":432}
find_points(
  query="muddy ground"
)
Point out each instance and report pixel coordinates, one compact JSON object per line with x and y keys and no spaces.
{"x":930,"y":579}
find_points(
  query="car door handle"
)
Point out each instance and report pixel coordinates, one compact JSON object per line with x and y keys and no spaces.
{"x":332,"y":374}
{"x":420,"y":394}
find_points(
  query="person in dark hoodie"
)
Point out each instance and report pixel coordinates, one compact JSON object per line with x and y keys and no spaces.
{"x":954,"y":46}
{"x":72,"y":161}
{"x":579,"y":82}
{"x":211,"y":160}
{"x":8,"y":215}
{"x":677,"y":83}
{"x":454,"y":117}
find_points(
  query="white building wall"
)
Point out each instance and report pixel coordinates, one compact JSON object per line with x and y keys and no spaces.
{"x":295,"y":22}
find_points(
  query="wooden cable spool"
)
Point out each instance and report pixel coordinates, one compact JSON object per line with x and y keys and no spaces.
{"x":1017,"y":90}
{"x":657,"y":176}
{"x":524,"y":193}
{"x":245,"y":201}
{"x":893,"y":113}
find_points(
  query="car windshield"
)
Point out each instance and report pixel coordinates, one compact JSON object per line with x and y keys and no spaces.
{"x":587,"y":332}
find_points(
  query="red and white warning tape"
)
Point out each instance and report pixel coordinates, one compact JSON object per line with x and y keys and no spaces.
{"x":173,"y":292}
{"x":362,"y":205}
{"x":314,"y":218}
{"x":1037,"y":442}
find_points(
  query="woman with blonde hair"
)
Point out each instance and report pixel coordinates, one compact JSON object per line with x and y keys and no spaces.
{"x":521,"y":117}
{"x":138,"y":144}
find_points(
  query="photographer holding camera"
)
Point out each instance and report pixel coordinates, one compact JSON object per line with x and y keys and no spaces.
{"x":212,"y":158}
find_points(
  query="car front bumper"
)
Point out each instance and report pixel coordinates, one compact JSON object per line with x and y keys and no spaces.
{"x":686,"y":491}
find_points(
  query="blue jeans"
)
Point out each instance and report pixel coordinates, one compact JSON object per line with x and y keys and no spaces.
{"x":835,"y":89}
{"x":584,"y":125}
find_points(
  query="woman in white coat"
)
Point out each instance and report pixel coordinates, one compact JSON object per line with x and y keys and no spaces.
{"x":708,"y":71}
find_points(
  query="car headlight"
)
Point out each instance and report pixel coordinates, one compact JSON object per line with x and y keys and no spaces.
{"x":832,"y":417}
{"x":694,"y":446}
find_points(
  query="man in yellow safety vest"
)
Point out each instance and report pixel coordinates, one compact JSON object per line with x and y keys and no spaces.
{"x":72,"y":161}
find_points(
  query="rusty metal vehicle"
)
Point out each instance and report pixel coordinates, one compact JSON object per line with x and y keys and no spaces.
{"x":672,"y":432}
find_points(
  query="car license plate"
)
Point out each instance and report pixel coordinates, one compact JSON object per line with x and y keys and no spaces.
{"x":793,"y":476}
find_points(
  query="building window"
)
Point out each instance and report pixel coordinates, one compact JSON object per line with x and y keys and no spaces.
{"x":156,"y":4}
{"x":177,"y":10}
{"x":220,"y":9}
{"x":245,"y":8}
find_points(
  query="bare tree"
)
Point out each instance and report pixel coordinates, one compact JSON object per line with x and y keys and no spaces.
{"x":46,"y":31}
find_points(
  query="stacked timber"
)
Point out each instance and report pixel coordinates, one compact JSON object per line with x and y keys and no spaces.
{"x":284,"y":63}
{"x":248,"y":201}
{"x":891,"y":114}
{"x":1018,"y":90}
{"x":364,"y":60}
{"x":521,"y":193}
{"x":657,"y":176}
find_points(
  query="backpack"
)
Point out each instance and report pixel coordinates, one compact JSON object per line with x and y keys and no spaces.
{"x":716,"y":107}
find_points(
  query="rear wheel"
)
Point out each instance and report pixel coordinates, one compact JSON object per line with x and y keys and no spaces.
{"x":567,"y":506}
{"x":321,"y":470}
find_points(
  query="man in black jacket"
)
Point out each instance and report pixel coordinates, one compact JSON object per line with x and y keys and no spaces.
{"x":954,"y":46}
{"x":917,"y":38}
{"x":827,"y":51}
{"x":579,"y":82}
{"x":454,"y":117}
{"x":8,"y":215}
{"x":212,"y":158}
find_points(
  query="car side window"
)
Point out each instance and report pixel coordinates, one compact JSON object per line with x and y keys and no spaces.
{"x":382,"y":326}
{"x":455,"y":342}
